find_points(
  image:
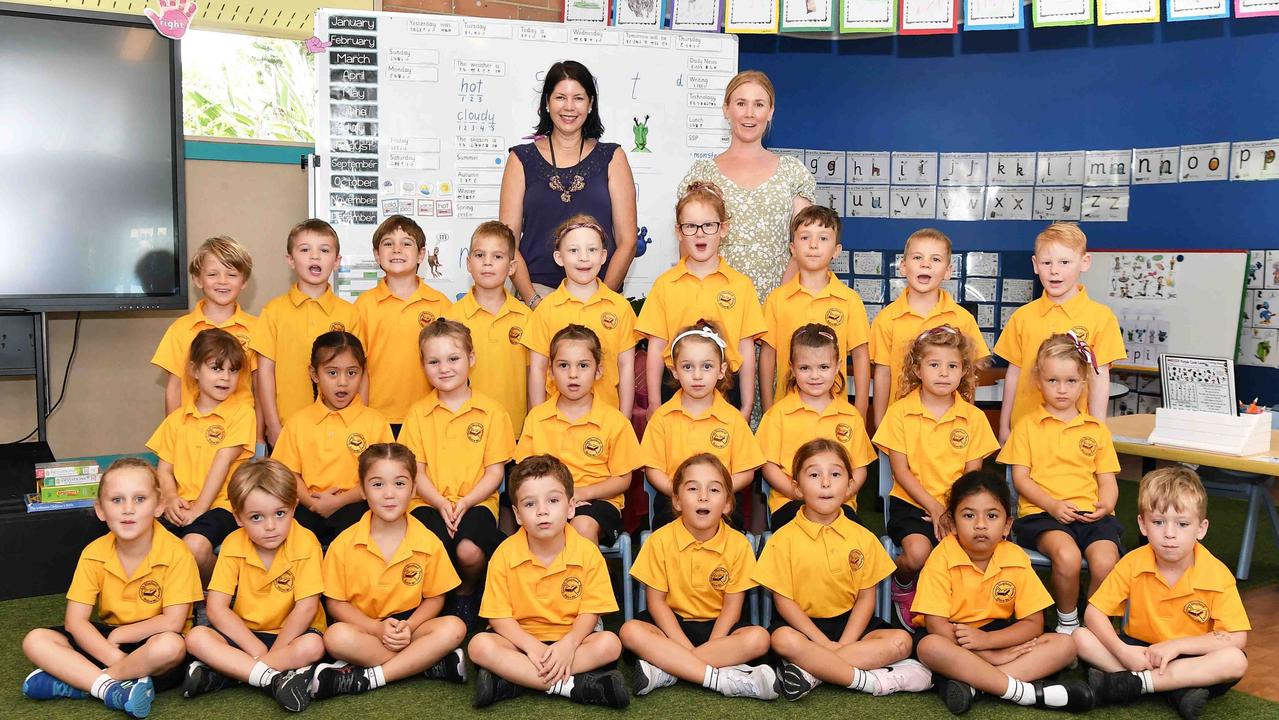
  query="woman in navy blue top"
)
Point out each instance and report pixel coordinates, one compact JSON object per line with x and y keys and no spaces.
{"x":567,"y":170}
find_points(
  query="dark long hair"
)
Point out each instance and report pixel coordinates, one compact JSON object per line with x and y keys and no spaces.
{"x":570,"y":70}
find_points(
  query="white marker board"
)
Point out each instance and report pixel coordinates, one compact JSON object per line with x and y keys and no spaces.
{"x":1171,"y":301}
{"x":415,"y":115}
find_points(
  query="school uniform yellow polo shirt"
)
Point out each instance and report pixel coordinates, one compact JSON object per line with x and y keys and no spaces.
{"x":596,"y":447}
{"x":793,"y":306}
{"x":286,"y":329}
{"x":790,"y":423}
{"x":190,"y":439}
{"x":264,"y":596}
{"x":822,"y":567}
{"x":695,"y":575}
{"x":679,"y":298}
{"x":324,"y":445}
{"x":936,"y":449}
{"x":1032,"y":324}
{"x":356,"y":571}
{"x":173,"y":354}
{"x":456,"y":447}
{"x":1064,"y":457}
{"x":391,"y":327}
{"x":952,"y":587}
{"x":501,"y":360}
{"x":166,"y":576}
{"x":607,"y":313}
{"x":546,"y":599}
{"x":1205,"y":599}
{"x":896,"y":328}
{"x":674,"y":435}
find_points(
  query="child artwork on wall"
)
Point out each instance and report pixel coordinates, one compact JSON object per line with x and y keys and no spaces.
{"x":1140,"y":276}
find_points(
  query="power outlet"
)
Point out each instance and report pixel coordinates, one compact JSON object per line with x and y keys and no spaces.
{"x":17,"y":344}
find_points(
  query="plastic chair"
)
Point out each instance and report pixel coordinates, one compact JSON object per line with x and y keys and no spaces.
{"x":621,"y":549}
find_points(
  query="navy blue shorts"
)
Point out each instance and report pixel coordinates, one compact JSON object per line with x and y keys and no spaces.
{"x":169,"y":679}
{"x":214,"y":525}
{"x":478,"y":525}
{"x":1026,"y":530}
{"x":906,"y":519}
{"x":832,"y":627}
{"x":698,"y":632}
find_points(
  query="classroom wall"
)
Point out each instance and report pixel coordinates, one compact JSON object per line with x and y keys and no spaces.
{"x":1071,"y":88}
{"x":115,"y":397}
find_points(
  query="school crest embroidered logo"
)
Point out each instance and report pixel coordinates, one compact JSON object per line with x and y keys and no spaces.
{"x":243,"y":338}
{"x":514,"y":335}
{"x":1004,"y":592}
{"x":719,"y":438}
{"x":843,"y":432}
{"x":720,"y":578}
{"x":149,"y":592}
{"x":726,"y":299}
{"x":411,"y":574}
{"x":856,"y":559}
{"x":475,"y":432}
{"x":284,"y":583}
{"x":1081,"y":332}
{"x":593,"y":447}
{"x":215,"y":434}
{"x":425,"y":318}
{"x":959,"y":438}
{"x":834,"y":316}
{"x":571,"y":588}
{"x":608,"y":320}
{"x":1088,"y":446}
{"x":337,"y":327}
{"x":1197,"y":611}
{"x":356,"y":443}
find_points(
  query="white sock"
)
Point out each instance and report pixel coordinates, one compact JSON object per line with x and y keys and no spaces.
{"x":711,"y":679}
{"x":375,"y":676}
{"x":1022,"y":693}
{"x":1056,"y":695}
{"x":262,"y":674}
{"x":1068,"y":618}
{"x":1147,"y":681}
{"x":99,"y":687}
{"x":902,"y":585}
{"x":563,"y":688}
{"x":863,"y":681}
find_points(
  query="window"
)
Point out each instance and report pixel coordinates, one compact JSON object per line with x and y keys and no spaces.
{"x":246,"y":87}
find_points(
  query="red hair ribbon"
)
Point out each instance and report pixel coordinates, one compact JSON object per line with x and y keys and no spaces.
{"x":1082,"y":348}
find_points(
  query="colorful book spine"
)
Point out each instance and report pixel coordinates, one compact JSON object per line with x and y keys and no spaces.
{"x":63,"y":480}
{"x":66,"y":493}
{"x":34,"y":504}
{"x":65,"y":469}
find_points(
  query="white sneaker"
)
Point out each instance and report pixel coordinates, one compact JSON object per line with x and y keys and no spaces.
{"x":648,"y":677}
{"x":902,"y":676}
{"x":746,"y":681}
{"x":1067,"y":629}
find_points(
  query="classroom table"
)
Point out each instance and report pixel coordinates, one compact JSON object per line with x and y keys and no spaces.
{"x":1131,"y":433}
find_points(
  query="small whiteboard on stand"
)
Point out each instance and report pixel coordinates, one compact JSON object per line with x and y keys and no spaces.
{"x":1200,"y":384}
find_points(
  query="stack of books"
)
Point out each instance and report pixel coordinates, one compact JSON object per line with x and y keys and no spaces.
{"x":64,"y":485}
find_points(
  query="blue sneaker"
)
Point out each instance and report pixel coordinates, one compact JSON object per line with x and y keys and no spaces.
{"x":40,"y":685}
{"x":132,"y":696}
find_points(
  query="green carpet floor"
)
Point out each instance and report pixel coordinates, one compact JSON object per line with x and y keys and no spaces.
{"x":428,"y":700}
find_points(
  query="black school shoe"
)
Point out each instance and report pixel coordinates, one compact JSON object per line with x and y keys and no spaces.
{"x":201,"y":679}
{"x":490,"y":688}
{"x":957,"y":695}
{"x":450,"y":668}
{"x":1188,"y":702}
{"x":292,"y":689}
{"x":338,"y":679}
{"x":1115,"y":688}
{"x":1079,"y":697}
{"x":600,"y":687}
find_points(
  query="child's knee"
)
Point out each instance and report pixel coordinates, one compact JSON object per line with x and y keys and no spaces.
{"x":902,"y":643}
{"x":38,"y":638}
{"x":480,"y":649}
{"x":630,"y":631}
{"x":785,"y":641}
{"x":756,"y":639}
{"x":199,"y":546}
{"x":930,"y":646}
{"x":452,"y":628}
{"x":1233,"y":662}
{"x":608,"y":645}
{"x":166,"y":649}
{"x":469,"y":555}
{"x":310,"y":647}
{"x":199,"y":638}
{"x":1066,"y":558}
{"x":339,"y":635}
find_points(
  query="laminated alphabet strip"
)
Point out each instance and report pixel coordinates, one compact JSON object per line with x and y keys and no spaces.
{"x":1257,"y":160}
{"x":808,"y":15}
{"x":967,"y":169}
{"x":1197,"y":9}
{"x":1122,"y":12}
{"x":696,"y":15}
{"x":871,"y":168}
{"x":929,"y":17}
{"x":858,"y":16}
{"x":1051,"y":13}
{"x":1204,"y":162}
{"x":1256,"y":8}
{"x":994,"y":15}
